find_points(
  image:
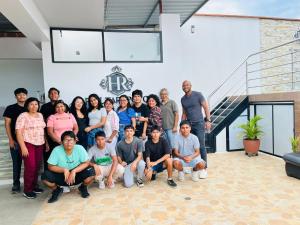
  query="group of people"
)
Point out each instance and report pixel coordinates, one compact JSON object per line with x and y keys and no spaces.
{"x":83,"y":142}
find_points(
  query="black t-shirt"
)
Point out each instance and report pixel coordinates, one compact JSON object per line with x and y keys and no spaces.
{"x":156,"y":150}
{"x":12,"y":112}
{"x":144,"y":111}
{"x":47,"y":110}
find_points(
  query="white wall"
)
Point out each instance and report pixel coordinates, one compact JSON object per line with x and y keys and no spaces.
{"x":18,"y":48}
{"x":216,"y":48}
{"x":205,"y":57}
{"x":84,"y":78}
{"x":20,"y":73}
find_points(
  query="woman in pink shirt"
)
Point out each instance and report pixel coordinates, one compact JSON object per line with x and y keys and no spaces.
{"x":30,"y":133}
{"x":60,"y":122}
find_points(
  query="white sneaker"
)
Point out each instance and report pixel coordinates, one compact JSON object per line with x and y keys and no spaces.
{"x":101,"y":184}
{"x":187,"y":170}
{"x":180,"y":175}
{"x":202,"y":174}
{"x":112,"y":186}
{"x":66,"y":189}
{"x":195,"y":177}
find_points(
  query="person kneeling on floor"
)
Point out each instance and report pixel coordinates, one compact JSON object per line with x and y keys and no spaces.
{"x":105,"y":162}
{"x":157,"y":156}
{"x":130,"y":154}
{"x":187,"y":153}
{"x":68,"y":165}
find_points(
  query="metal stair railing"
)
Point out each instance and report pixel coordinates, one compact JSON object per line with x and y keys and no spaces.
{"x":281,"y":62}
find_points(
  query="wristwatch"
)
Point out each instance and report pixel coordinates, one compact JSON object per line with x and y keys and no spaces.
{"x":207,"y":120}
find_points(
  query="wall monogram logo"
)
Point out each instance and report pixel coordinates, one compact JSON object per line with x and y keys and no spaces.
{"x":116,"y":82}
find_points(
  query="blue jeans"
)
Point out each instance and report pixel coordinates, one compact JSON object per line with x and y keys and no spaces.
{"x":170,"y":136}
{"x":121,"y":131}
{"x":17,"y":164}
{"x":129,"y":175}
{"x":198,"y":129}
{"x":91,"y":137}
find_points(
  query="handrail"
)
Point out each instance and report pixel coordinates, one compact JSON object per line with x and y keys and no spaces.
{"x":231,"y":74}
{"x":278,"y":46}
{"x":245,"y":62}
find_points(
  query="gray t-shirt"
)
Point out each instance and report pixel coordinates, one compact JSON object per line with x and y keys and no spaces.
{"x":129,"y":152}
{"x":95,"y":116}
{"x":101,"y":157}
{"x":186,"y":145}
{"x":168,"y":114}
{"x":192,"y":106}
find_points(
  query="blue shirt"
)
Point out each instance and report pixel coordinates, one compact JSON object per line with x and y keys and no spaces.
{"x":126,"y":115}
{"x":60,"y":158}
{"x":192,"y":105}
{"x":186,"y":145}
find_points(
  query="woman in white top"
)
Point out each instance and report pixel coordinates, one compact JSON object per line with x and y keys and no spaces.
{"x":111,"y":127}
{"x":97,"y":118}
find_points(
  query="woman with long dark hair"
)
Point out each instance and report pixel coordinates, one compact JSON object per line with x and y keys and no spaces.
{"x":126,"y":115}
{"x":79,"y":111}
{"x":30,"y":131}
{"x":155,"y":117}
{"x":97,"y":118}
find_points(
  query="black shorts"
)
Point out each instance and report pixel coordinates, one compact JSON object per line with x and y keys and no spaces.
{"x":59,"y":178}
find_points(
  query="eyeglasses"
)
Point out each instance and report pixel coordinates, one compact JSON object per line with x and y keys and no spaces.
{"x":68,"y":140}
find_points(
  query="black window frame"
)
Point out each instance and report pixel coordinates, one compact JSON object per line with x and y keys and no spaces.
{"x":103,"y":45}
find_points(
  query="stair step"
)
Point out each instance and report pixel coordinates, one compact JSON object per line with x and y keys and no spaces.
{"x":217,"y":119}
{"x":222,"y":112}
{"x":230,"y":105}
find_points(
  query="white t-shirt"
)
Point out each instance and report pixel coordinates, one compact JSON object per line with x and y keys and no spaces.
{"x":101,"y":157}
{"x":95,"y":116}
{"x":112,"y":123}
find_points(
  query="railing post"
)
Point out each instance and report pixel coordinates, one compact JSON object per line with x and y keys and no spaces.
{"x":292,"y":65}
{"x":247,"y":92}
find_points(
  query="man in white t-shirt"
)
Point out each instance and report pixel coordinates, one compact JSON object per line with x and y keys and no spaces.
{"x":187,"y":153}
{"x":105,"y":162}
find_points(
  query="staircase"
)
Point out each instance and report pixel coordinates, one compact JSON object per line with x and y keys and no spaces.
{"x":6,"y":169}
{"x":223,"y":114}
{"x":271,"y":70}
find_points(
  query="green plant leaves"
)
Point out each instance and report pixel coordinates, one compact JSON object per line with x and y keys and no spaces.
{"x":251,"y":130}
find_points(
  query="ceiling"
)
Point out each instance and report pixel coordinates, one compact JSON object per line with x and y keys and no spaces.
{"x":146,"y":13}
{"x":6,"y":25}
{"x":96,"y":14}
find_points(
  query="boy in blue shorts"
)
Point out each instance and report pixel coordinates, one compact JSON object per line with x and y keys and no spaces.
{"x":187,"y":153}
{"x":157,"y":156}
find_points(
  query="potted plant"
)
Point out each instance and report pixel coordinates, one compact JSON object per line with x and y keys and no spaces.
{"x":295,"y":141}
{"x":251,"y":133}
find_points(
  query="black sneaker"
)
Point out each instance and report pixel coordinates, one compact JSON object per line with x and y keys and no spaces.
{"x":29,"y":195}
{"x":83,"y":191}
{"x":15,"y":189}
{"x":55,"y":195}
{"x":38,"y":190}
{"x":171,"y":183}
{"x":140,"y":182}
{"x":153,"y":176}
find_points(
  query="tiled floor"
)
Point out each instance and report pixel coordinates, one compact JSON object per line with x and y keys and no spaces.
{"x":239,"y":190}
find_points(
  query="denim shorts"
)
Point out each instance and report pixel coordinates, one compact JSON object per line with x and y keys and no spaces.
{"x":192,"y":163}
{"x":159,"y":167}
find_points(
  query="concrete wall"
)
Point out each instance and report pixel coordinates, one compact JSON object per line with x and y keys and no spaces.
{"x":84,"y":78}
{"x":272,"y":33}
{"x":205,"y":57}
{"x":217,"y":47}
{"x":20,"y":73}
